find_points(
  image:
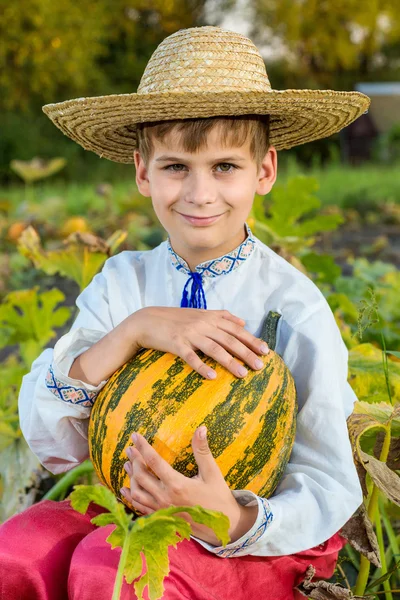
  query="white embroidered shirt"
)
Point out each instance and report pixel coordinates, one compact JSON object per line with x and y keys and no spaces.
{"x":319,"y":490}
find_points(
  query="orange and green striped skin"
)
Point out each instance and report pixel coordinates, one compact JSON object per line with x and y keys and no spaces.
{"x":251,"y":422}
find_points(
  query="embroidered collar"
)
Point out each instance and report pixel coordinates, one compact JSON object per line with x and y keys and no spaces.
{"x":221,"y":265}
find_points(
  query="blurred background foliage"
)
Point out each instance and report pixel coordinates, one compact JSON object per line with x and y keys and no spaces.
{"x":64,"y":211}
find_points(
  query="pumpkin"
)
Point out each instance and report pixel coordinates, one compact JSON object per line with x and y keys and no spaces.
{"x":251,"y":422}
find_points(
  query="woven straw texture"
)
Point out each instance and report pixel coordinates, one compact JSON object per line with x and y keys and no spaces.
{"x":197,"y":73}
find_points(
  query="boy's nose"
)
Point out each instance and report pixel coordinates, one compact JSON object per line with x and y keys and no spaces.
{"x":200,"y":191}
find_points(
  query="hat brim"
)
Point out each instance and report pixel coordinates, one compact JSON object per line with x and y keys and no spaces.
{"x":106,"y":125}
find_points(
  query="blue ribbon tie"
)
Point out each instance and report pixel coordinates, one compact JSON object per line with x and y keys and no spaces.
{"x":197,"y":295}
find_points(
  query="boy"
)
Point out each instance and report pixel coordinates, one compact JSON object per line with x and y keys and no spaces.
{"x":203,"y":131}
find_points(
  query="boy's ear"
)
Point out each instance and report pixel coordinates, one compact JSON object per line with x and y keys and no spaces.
{"x":142,"y":179}
{"x":268,"y":172}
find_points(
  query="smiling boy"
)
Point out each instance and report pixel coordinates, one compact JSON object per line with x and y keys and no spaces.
{"x":209,"y":179}
{"x":203,"y":131}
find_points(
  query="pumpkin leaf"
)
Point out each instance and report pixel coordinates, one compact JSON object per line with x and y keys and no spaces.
{"x":383,"y":412}
{"x":30,"y":316}
{"x":217,"y":521}
{"x":153,"y":535}
{"x":103,"y":519}
{"x":149,"y":536}
{"x":294,"y":201}
{"x":360,"y":534}
{"x":83,"y":495}
{"x":343,"y":302}
{"x":367,"y":377}
{"x":363,"y":427}
{"x":383,"y":477}
{"x":323,"y":266}
{"x":11,"y":373}
{"x":80,"y":259}
{"x":291,"y":221}
{"x":37,"y":168}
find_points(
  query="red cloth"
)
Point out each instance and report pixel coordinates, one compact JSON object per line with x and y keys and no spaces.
{"x":52,"y":552}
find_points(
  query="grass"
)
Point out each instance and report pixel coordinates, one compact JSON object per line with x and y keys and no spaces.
{"x":348,"y":186}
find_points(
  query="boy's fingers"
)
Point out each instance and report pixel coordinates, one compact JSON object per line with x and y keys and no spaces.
{"x":145,"y":510}
{"x":153,"y":460}
{"x":208,"y":468}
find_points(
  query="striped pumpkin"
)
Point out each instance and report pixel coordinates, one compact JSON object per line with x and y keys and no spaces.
{"x":251,"y":422}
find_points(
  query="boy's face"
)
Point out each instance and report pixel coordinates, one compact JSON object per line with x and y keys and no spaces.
{"x":215,"y":181}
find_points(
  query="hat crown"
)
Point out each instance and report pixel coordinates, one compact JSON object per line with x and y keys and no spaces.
{"x":205,"y":59}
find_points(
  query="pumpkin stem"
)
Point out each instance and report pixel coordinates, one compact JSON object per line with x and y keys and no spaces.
{"x":269,"y":328}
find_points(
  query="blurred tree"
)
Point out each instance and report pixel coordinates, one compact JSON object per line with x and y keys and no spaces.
{"x":327,"y":40}
{"x":47,"y":47}
{"x":52,"y":51}
{"x":136,"y":29}
{"x":320,"y":43}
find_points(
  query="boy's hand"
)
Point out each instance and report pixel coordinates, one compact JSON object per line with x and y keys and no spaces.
{"x":150,"y":492}
{"x":182,"y":331}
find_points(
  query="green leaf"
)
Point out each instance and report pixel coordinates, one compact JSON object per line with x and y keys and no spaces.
{"x":31,"y":317}
{"x":323,"y":265}
{"x":37,"y":168}
{"x":99,"y":494}
{"x":383,"y":412}
{"x":371,"y":272}
{"x":103,"y":519}
{"x":217,"y":521}
{"x":355,"y":289}
{"x":396,"y":354}
{"x":80,"y":259}
{"x":367,"y":377}
{"x":292,"y":221}
{"x":151,"y":535}
{"x":293,"y":202}
{"x":162,"y":529}
{"x":343,"y":302}
{"x":83,"y":495}
{"x":11,"y":373}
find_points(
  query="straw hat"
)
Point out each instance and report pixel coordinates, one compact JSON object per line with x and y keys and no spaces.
{"x":197,"y":73}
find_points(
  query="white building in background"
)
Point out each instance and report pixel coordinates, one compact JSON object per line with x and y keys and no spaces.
{"x":385,"y":103}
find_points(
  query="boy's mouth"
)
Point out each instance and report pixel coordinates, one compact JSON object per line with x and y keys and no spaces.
{"x":200,"y":220}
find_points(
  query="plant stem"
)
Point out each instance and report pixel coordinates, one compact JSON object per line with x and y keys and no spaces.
{"x":363,"y":573}
{"x":393,"y":539}
{"x":121,"y":567}
{"x":67,"y":480}
{"x":386,"y":367}
{"x":379,"y":535}
{"x":343,"y":574}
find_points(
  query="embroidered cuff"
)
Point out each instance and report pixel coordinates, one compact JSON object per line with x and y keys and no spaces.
{"x":264,"y":519}
{"x":67,"y":392}
{"x":69,"y":347}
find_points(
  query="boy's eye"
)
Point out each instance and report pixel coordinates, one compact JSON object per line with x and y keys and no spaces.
{"x":231,"y":167}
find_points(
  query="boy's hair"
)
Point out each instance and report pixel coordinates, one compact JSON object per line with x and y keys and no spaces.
{"x":234,"y":131}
